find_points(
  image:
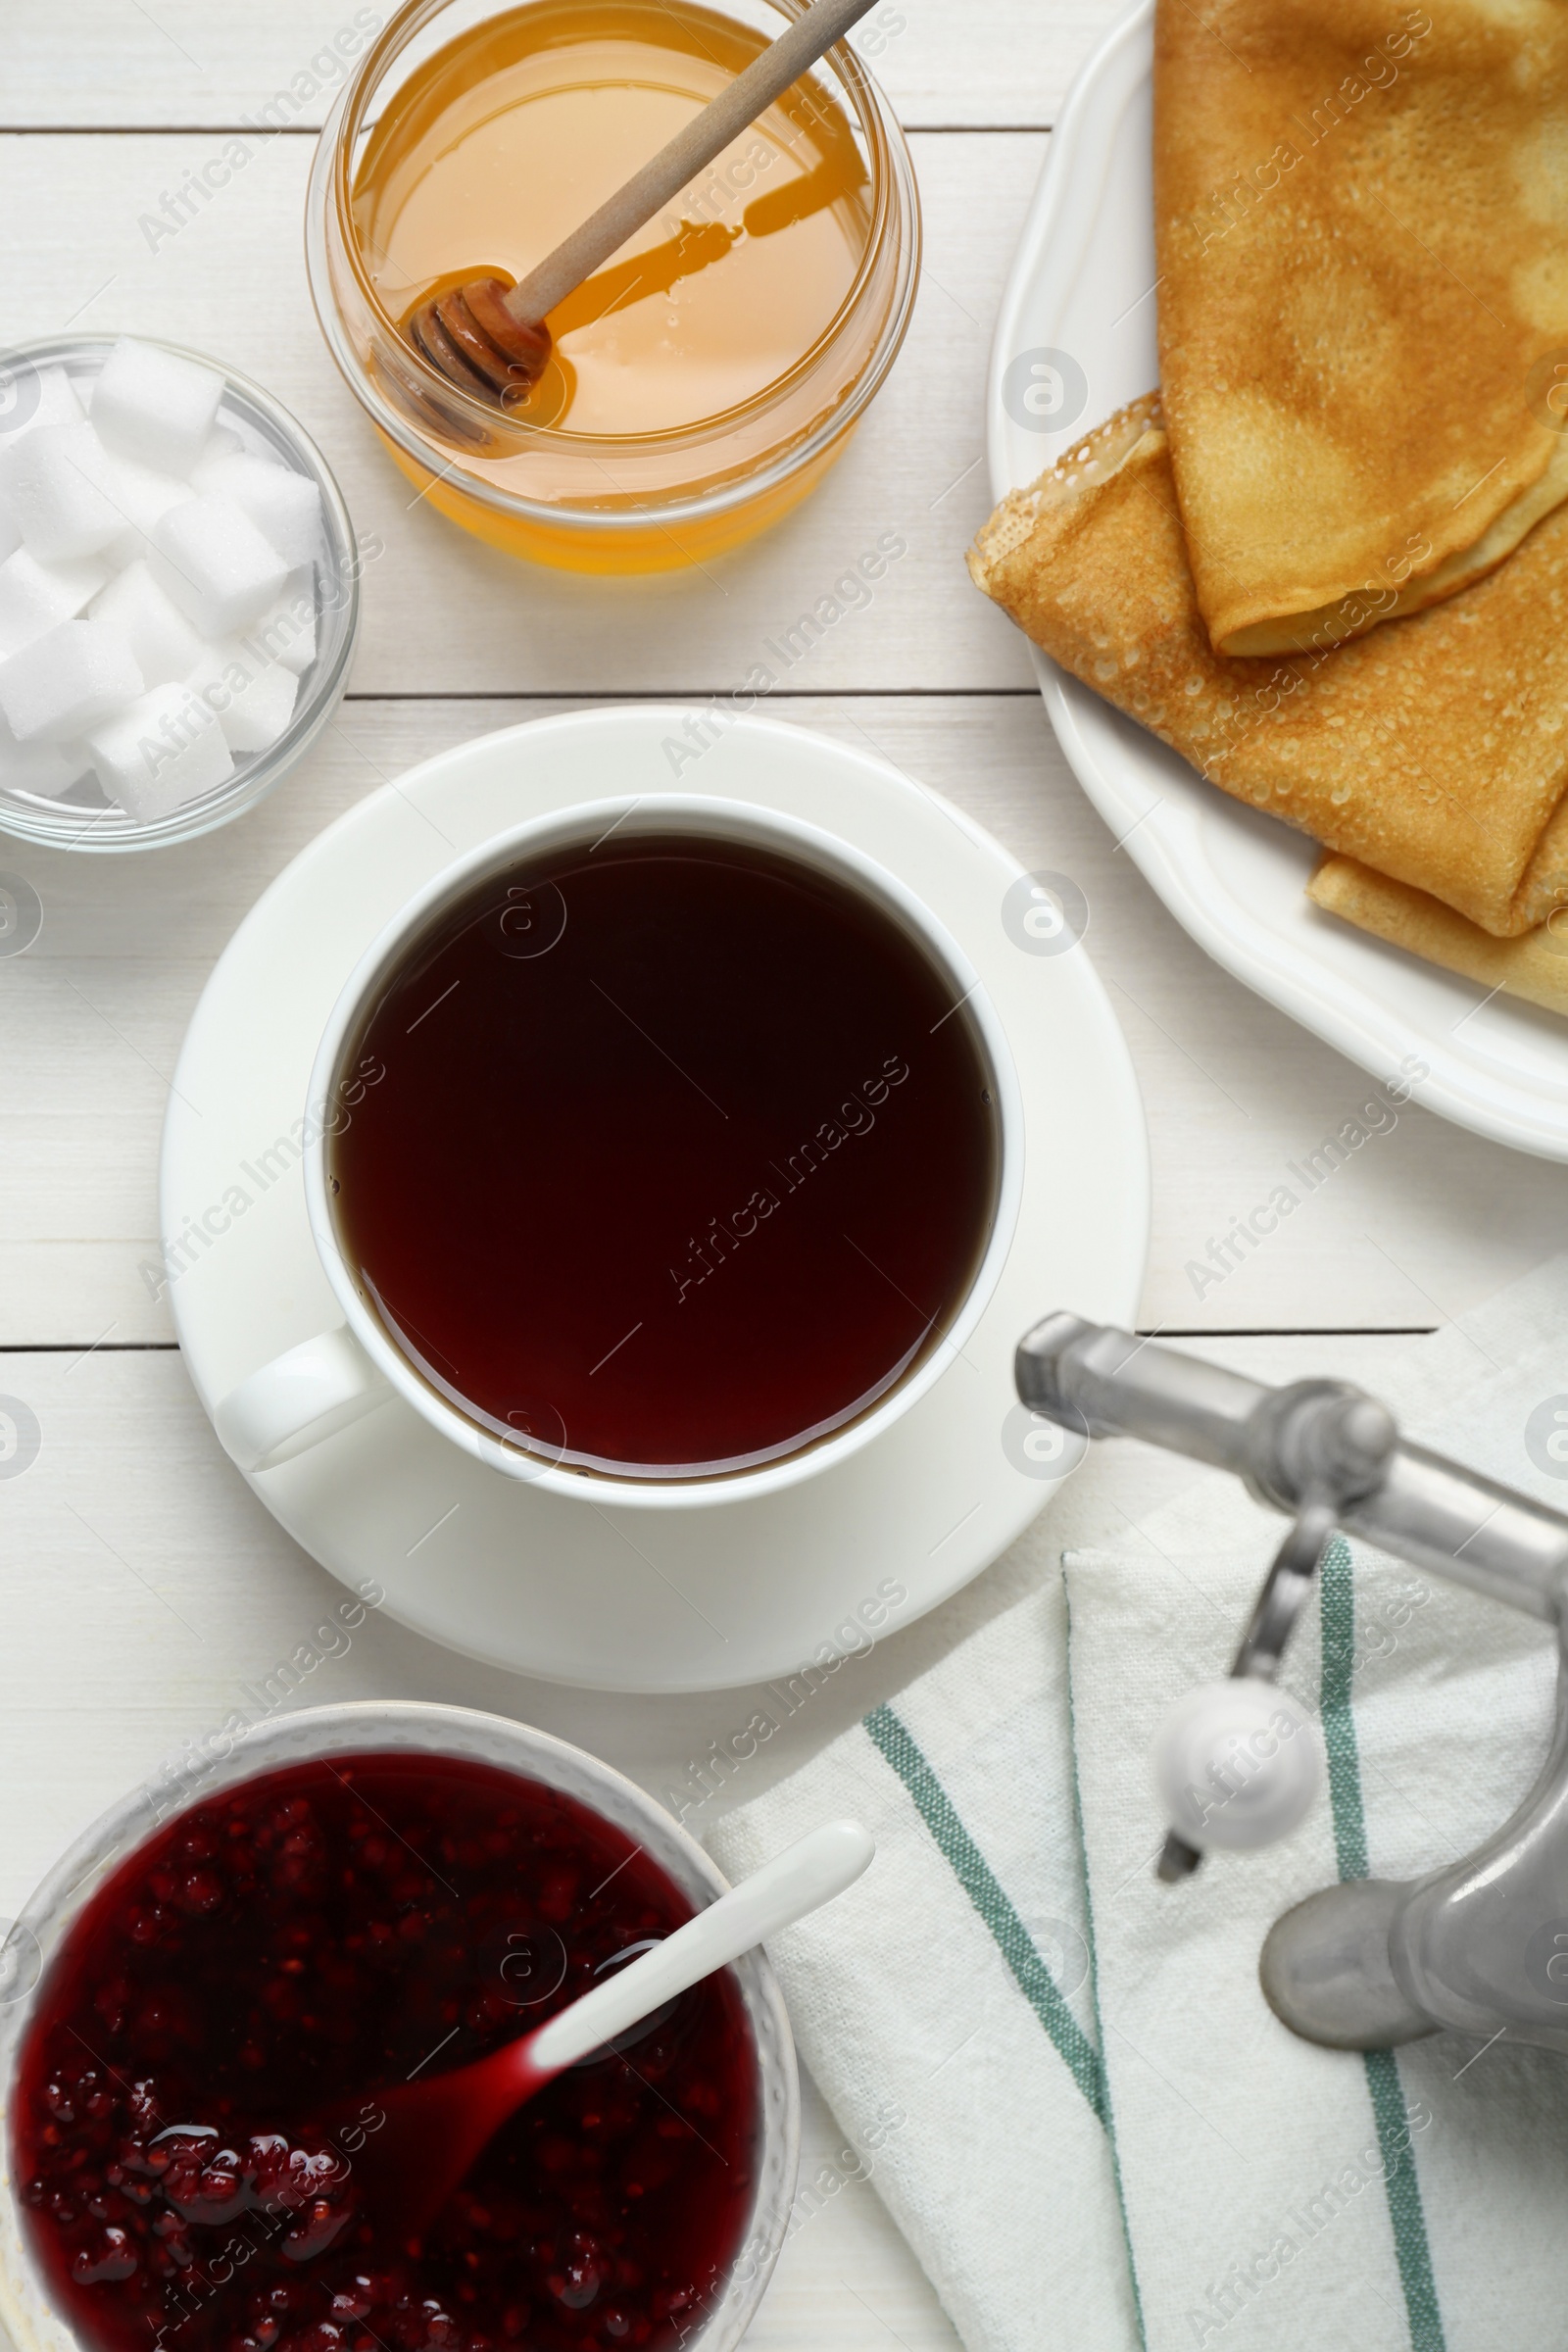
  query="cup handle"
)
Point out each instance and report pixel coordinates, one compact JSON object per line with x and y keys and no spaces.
{"x":299,"y":1399}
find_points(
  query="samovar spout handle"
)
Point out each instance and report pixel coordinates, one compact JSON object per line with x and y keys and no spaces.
{"x":1481,"y":1946}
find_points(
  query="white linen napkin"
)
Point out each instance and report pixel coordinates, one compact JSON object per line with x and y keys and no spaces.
{"x":1099,"y":2136}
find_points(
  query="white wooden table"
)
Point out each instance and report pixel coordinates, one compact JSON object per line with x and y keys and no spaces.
{"x":139,"y":1580}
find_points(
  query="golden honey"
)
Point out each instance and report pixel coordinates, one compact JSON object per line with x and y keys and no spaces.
{"x":707,"y":374}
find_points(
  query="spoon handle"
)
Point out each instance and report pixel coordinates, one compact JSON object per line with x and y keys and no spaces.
{"x":604,"y":232}
{"x":806,"y":1875}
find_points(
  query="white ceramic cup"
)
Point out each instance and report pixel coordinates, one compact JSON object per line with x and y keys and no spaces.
{"x":332,"y":1380}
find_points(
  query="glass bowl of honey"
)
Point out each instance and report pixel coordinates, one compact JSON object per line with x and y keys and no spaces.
{"x":704,"y":380}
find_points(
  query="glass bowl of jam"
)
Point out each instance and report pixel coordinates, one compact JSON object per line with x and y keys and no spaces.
{"x":705,"y":379}
{"x":307,"y":1915}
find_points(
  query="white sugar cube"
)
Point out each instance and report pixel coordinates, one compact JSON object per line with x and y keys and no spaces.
{"x":165,"y":645}
{"x":143,"y":498}
{"x":285,"y":507}
{"x":221,"y":443}
{"x":35,"y":598}
{"x":254,"y":701}
{"x":47,"y":768}
{"x":223,"y":448}
{"x":161,"y":752}
{"x":55,"y":481}
{"x":30,"y":397}
{"x":64,"y":683}
{"x":152,"y":405}
{"x":286,"y":631}
{"x":10,"y":536}
{"x":208,"y":556}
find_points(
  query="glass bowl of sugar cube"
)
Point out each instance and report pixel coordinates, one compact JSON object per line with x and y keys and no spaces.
{"x":178,"y":593}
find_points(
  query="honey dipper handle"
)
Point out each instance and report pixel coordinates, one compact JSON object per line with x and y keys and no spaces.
{"x":708,"y":134}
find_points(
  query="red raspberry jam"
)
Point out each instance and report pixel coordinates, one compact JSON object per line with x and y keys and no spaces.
{"x":277,"y":1957}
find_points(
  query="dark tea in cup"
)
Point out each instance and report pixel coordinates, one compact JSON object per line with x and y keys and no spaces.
{"x":672,"y":1154}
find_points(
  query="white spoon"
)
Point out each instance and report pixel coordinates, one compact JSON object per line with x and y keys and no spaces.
{"x":435,"y":2129}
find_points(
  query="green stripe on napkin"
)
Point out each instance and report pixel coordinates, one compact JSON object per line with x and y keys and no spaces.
{"x":980,"y":1884}
{"x":1405,"y":2212}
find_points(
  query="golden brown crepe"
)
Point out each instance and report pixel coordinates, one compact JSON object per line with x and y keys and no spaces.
{"x":1361,"y":223}
{"x":1534,"y":966}
{"x":1434,"y":748}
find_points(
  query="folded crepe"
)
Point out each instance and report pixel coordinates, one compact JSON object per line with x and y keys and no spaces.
{"x":1361,"y":225}
{"x":1534,"y":967}
{"x":1433,"y":750}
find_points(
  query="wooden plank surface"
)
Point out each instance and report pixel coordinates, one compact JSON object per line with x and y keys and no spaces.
{"x":112,"y":63}
{"x":140,"y":1579}
{"x":141,"y":1583}
{"x":445,"y":615}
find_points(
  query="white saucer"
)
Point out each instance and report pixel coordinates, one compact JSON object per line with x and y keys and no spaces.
{"x":580,"y":1592}
{"x":1083,"y":286}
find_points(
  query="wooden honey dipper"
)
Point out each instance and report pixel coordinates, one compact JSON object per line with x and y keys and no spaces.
{"x":491,"y":339}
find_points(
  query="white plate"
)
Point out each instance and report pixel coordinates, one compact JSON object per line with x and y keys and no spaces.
{"x":1083,"y":285}
{"x":580,"y":1592}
